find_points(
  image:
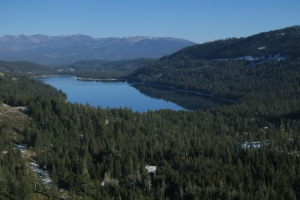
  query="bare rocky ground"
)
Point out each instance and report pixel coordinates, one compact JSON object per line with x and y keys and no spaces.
{"x":13,"y":121}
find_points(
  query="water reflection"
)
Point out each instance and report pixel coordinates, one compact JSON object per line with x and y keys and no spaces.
{"x":138,"y":97}
{"x":189,"y":100}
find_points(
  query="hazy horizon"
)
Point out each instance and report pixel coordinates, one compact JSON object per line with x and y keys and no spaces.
{"x":80,"y":34}
{"x":135,"y":36}
{"x":195,"y":21}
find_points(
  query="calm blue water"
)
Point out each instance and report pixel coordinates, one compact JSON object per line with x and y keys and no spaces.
{"x":108,"y":94}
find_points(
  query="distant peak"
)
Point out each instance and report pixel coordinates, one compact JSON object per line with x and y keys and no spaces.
{"x":83,"y":36}
{"x":70,"y":48}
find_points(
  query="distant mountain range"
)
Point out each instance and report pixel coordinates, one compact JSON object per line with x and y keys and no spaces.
{"x":45,"y":49}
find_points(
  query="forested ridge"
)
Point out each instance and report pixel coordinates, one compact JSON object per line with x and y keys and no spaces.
{"x":235,"y":68}
{"x":24,"y":68}
{"x":284,"y":42}
{"x":16,"y":179}
{"x":102,"y":154}
{"x":103,"y":69}
{"x":96,"y":153}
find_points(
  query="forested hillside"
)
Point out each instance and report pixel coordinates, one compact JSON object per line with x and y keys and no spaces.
{"x":20,"y":90}
{"x":283,"y":43}
{"x":247,"y":150}
{"x":103,"y":69}
{"x":102,"y":154}
{"x":260,"y":66}
{"x":17,"y":180}
{"x":24,"y":68}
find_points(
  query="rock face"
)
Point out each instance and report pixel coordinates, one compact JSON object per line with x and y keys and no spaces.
{"x":45,"y":49}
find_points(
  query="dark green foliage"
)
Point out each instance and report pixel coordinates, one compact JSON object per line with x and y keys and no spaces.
{"x":103,"y":69}
{"x":195,"y":152}
{"x":24,"y":68}
{"x":231,"y":79}
{"x":16,"y":180}
{"x":16,"y":90}
{"x":198,"y":154}
{"x":283,"y":42}
{"x":217,"y":68}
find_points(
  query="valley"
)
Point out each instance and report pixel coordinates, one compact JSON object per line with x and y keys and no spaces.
{"x":108,"y":94}
{"x":190,"y":145}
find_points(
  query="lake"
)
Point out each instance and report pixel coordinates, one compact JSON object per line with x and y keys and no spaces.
{"x":139,"y":98}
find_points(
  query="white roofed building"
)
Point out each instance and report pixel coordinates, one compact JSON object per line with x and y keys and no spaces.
{"x":150,"y":169}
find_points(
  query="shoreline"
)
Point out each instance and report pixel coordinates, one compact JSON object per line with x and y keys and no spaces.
{"x":101,"y":79}
{"x":52,"y":75}
{"x":182,"y":90}
{"x":132,"y":83}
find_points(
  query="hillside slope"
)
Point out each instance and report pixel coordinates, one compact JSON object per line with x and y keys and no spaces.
{"x":259,"y":65}
{"x":94,"y":153}
{"x":24,"y":68}
{"x":277,"y":44}
{"x":103,"y":69}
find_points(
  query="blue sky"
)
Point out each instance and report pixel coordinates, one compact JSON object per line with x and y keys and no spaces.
{"x":196,"y":20}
